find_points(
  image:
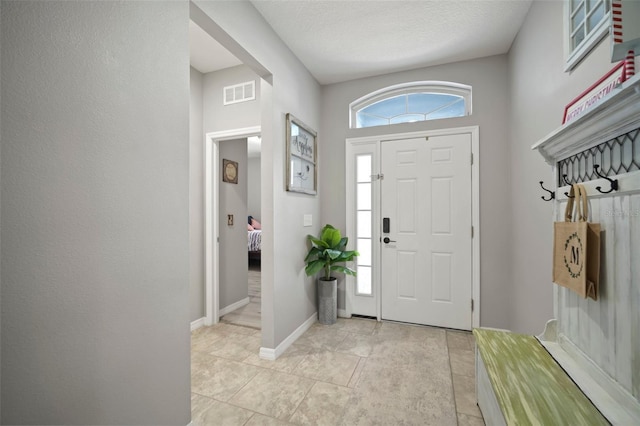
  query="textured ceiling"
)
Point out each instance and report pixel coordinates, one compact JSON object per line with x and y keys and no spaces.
{"x":344,"y":40}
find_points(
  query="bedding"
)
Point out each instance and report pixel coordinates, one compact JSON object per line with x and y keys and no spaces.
{"x":255,"y":240}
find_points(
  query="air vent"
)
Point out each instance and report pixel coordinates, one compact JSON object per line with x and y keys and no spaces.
{"x":240,"y":93}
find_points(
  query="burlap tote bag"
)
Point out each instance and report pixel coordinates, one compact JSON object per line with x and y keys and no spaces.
{"x":576,"y":247}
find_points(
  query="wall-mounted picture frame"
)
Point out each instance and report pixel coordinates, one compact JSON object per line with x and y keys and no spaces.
{"x":301,"y":157}
{"x":229,"y":171}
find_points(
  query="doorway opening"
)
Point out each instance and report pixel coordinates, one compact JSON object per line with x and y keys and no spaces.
{"x":216,"y":219}
{"x":246,"y":195}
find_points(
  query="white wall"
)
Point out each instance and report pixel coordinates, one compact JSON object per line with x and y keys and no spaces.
{"x":488,"y":77}
{"x":95,"y":238}
{"x":539,"y":89}
{"x":234,"y":279}
{"x":288,"y":297}
{"x":254,"y":190}
{"x":196,"y":198}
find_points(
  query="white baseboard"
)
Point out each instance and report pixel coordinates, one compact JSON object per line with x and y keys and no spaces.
{"x":268,"y":354}
{"x":273,"y":354}
{"x":234,"y":306}
{"x":342,"y":313}
{"x":197,"y":323}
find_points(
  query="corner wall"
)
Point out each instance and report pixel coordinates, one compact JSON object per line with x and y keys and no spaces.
{"x":196,"y":198}
{"x":289,"y":297}
{"x":95,"y":219}
{"x":539,"y":89}
{"x":488,"y":77}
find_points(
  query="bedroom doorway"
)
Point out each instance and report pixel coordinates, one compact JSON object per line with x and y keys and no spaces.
{"x":247,"y":311}
{"x":215,"y":219}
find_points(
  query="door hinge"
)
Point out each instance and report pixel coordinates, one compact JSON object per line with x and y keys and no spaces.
{"x":472,"y":232}
{"x":379,"y":176}
{"x":471,"y":305}
{"x":472,"y":158}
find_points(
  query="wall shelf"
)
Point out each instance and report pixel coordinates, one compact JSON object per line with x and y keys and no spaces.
{"x":619,"y":113}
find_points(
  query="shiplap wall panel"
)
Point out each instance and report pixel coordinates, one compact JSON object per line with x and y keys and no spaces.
{"x":608,"y":330}
{"x":594,"y":312}
{"x":622,"y":274}
{"x":634,"y":319}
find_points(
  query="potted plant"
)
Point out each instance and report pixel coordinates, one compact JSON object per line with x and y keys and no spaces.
{"x":328,"y":253}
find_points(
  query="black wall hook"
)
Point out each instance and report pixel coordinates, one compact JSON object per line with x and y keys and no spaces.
{"x":613,"y":182}
{"x":552,"y":194}
{"x":568,"y":183}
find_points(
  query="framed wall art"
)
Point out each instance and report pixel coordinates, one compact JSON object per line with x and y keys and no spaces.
{"x":301,"y":157}
{"x":229,"y":171}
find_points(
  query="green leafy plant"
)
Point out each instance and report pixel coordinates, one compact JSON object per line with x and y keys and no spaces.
{"x":328,"y":253}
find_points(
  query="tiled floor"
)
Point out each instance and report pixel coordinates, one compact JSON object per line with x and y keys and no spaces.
{"x":355,"y":372}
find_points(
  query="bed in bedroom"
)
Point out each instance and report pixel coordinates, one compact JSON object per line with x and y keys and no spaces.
{"x":254,"y":239}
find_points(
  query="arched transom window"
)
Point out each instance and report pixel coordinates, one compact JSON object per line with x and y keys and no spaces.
{"x":409,"y":102}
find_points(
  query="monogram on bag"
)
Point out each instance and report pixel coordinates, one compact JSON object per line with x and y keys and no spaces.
{"x":576,"y":247}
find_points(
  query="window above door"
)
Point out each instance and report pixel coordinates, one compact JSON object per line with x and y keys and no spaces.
{"x":411,"y":102}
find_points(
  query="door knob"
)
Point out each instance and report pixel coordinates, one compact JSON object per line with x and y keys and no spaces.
{"x":387,"y":240}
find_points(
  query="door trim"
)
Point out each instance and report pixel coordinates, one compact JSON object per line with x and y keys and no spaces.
{"x":211,"y":216}
{"x":376,"y":140}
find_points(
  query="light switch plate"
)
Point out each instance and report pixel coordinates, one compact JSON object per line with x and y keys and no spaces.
{"x":308,"y":220}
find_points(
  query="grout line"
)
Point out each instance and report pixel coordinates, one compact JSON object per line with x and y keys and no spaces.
{"x":358,"y":370}
{"x":301,"y":401}
{"x":453,"y":390}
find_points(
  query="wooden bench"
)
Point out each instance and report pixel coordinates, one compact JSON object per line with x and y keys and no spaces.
{"x":519,"y":383}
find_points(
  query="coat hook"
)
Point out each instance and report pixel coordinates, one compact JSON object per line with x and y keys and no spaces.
{"x":552,"y":194}
{"x":613,"y":182}
{"x":568,"y":183}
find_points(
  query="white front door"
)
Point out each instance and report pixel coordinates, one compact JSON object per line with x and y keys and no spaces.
{"x":426,"y":263}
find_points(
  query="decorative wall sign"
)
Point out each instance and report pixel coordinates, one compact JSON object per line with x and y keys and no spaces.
{"x":594,"y":94}
{"x":229,"y":171}
{"x":301,"y":157}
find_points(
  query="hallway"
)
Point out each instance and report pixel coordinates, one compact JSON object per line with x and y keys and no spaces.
{"x":249,"y":315}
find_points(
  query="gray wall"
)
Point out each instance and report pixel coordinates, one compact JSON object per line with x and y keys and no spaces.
{"x":254,"y":192}
{"x":95,"y":269}
{"x":218,"y":116}
{"x":288,"y":304}
{"x":196,"y":199}
{"x":208,"y":114}
{"x":539,"y":91}
{"x":234,"y":280}
{"x":488,"y":76}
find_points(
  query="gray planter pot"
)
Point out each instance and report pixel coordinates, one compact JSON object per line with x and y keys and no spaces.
{"x":327,"y":301}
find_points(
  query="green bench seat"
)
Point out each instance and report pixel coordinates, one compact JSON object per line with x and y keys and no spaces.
{"x":529,"y":386}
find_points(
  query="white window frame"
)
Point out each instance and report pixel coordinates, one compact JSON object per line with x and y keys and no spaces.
{"x":439,"y":87}
{"x":573,"y":57}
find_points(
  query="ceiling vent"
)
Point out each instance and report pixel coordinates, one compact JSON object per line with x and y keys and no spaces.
{"x":240,"y":93}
